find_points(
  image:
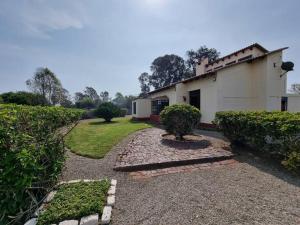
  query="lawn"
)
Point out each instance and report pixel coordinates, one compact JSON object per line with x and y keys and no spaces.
{"x":94,"y":137}
{"x":73,"y":201}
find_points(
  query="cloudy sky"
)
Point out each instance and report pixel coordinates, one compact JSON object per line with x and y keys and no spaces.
{"x":107,"y":44}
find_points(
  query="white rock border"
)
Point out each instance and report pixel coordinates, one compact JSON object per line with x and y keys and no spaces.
{"x":87,"y":220}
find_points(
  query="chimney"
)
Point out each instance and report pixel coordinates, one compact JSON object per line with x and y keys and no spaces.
{"x":200,"y":67}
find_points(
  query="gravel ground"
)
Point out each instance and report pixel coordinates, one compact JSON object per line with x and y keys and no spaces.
{"x":250,"y":192}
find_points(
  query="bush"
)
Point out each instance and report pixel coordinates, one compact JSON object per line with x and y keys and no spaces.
{"x":107,"y":111}
{"x":31,"y":155}
{"x":180,"y":119}
{"x":275,"y":133}
{"x":23,"y":98}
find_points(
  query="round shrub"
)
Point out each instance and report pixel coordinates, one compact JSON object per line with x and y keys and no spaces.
{"x":107,"y":111}
{"x":180,"y":119}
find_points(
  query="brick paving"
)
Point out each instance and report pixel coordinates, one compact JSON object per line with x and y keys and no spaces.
{"x":148,"y":150}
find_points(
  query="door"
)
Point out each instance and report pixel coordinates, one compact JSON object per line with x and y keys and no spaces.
{"x":195,"y":98}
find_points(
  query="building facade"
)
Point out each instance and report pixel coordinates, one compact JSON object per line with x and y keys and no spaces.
{"x":248,"y":79}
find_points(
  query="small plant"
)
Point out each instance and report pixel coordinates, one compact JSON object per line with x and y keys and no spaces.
{"x":107,"y":111}
{"x":180,"y":119}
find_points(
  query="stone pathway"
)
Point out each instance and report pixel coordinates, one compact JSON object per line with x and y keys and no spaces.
{"x":246,"y":190}
{"x":149,"y":150}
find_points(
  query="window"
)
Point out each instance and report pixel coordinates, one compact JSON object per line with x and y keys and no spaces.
{"x":284,"y":104}
{"x":195,"y":98}
{"x":134,"y":107}
{"x":158,"y":105}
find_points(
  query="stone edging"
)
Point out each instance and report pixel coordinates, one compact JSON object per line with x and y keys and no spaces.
{"x":87,"y":220}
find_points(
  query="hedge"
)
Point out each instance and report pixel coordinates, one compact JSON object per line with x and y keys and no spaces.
{"x":275,"y":133}
{"x":31,"y":155}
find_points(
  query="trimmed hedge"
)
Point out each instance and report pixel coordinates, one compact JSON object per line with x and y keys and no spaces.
{"x":276,"y":133}
{"x":31,"y":155}
{"x":180,"y":119}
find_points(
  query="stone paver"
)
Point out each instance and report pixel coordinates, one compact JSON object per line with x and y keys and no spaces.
{"x":50,"y":196}
{"x":90,"y":220}
{"x":106,"y":215}
{"x":111,"y":200}
{"x":69,"y":222}
{"x":149,"y":148}
{"x":32,"y":221}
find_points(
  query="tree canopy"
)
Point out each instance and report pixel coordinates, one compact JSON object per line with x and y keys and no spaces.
{"x":166,"y":70}
{"x":46,"y":83}
{"x":169,"y":69}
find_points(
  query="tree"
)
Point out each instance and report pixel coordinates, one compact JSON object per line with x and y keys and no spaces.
{"x":79,"y":96}
{"x":107,"y":111}
{"x":85,"y":103}
{"x":119,"y":100}
{"x":295,"y":88}
{"x":166,"y":70}
{"x":193,"y":56}
{"x":104,"y":96}
{"x":23,"y":98}
{"x":92,"y":93}
{"x":144,"y":84}
{"x":46,"y":83}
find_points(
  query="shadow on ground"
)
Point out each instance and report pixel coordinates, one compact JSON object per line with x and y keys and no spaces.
{"x":265,"y":164}
{"x":190,"y":144}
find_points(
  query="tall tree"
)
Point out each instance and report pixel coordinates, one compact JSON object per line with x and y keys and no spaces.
{"x":203,"y":52}
{"x":144,"y":84}
{"x":119,"y":100}
{"x":295,"y":88}
{"x":92,"y":93}
{"x":104,"y":96}
{"x":79,"y":96}
{"x":46,"y":83}
{"x":166,"y":70}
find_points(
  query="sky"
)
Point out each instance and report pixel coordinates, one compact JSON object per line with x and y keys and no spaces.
{"x":107,"y":44}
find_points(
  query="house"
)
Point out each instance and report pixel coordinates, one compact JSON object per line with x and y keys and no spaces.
{"x":251,"y":78}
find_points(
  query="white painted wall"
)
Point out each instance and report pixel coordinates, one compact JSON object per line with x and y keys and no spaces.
{"x":143,"y":108}
{"x":293,"y":103}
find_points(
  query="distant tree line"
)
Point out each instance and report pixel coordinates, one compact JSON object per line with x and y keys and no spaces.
{"x":47,"y":89}
{"x":169,"y":69}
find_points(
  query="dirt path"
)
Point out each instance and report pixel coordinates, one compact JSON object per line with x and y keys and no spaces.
{"x":248,"y":192}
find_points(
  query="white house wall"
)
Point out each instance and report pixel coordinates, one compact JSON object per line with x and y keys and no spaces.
{"x":293,"y":103}
{"x":208,"y":97}
{"x":143,"y":108}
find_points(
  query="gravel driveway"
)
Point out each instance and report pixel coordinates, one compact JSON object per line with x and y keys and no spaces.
{"x":250,"y":192}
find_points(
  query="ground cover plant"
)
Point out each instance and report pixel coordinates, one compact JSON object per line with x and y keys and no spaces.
{"x":95,"y":137}
{"x":73,"y":201}
{"x":31,"y":155}
{"x":274,"y":133}
{"x":180,"y":119}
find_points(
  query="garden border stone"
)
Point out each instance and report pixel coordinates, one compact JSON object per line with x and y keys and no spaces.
{"x":86,"y":220}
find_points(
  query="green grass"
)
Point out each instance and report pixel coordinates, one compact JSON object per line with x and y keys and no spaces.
{"x":94,"y":138}
{"x":73,"y":201}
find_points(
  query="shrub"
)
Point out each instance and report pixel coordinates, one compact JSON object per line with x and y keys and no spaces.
{"x":23,"y":98}
{"x":275,"y":133}
{"x":180,"y":119}
{"x":107,"y":111}
{"x":31,"y":155}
